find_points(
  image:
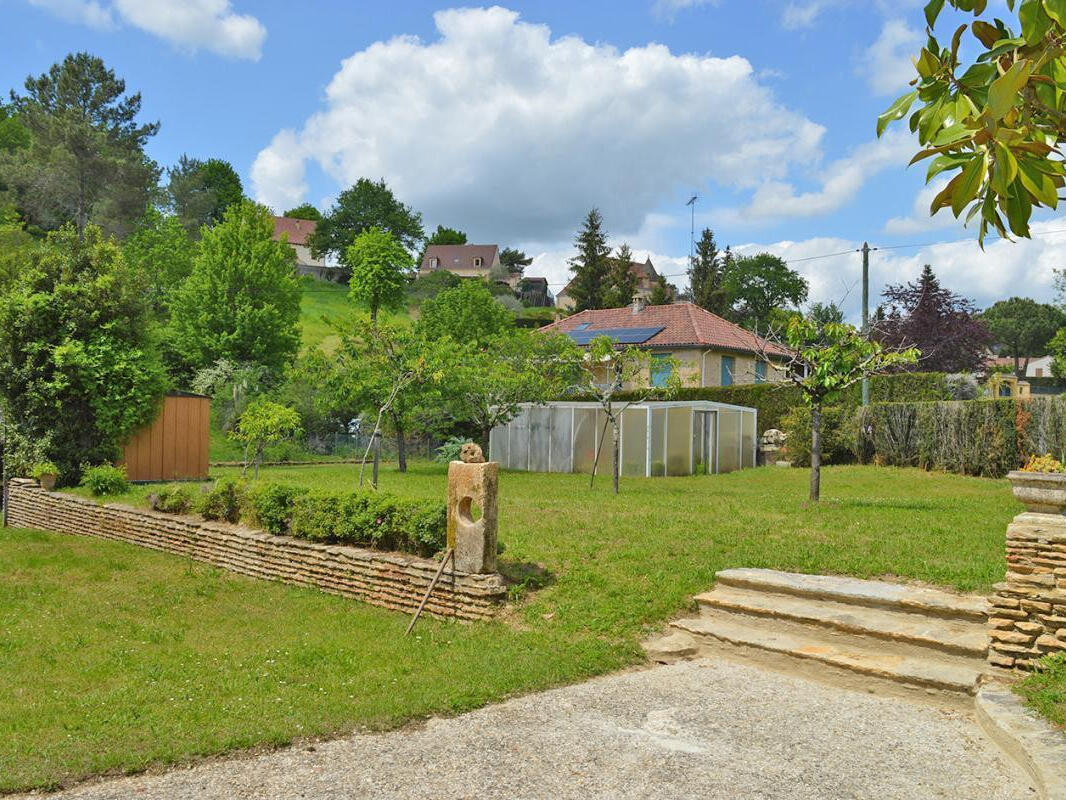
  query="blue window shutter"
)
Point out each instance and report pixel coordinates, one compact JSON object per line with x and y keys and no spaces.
{"x":727,"y":370}
{"x":660,"y":372}
{"x":760,"y":372}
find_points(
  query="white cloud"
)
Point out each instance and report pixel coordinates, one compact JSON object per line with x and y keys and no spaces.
{"x":839,"y":182}
{"x":887,"y":64}
{"x":803,"y":14}
{"x":513,"y":136}
{"x":920,"y":220}
{"x":668,"y":8}
{"x":190,"y":24}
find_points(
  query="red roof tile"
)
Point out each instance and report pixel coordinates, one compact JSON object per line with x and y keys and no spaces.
{"x":683,"y":324}
{"x":299,"y":230}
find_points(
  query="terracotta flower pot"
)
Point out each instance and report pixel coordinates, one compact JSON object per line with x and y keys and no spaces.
{"x":47,"y":481}
{"x":1040,"y":492}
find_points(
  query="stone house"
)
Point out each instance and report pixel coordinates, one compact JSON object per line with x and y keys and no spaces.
{"x":710,"y":350}
{"x":646,"y":276}
{"x":298,"y":233}
{"x":464,"y":260}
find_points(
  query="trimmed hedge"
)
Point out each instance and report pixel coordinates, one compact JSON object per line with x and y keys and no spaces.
{"x":971,"y":437}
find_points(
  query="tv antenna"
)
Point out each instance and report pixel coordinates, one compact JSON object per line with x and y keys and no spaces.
{"x":692,"y":232}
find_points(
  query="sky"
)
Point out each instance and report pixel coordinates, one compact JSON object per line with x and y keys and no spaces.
{"x":511,"y":122}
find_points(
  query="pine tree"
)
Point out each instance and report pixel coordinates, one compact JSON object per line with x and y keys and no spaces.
{"x":705,"y":275}
{"x":621,"y":281}
{"x":661,"y":293}
{"x":591,"y":264}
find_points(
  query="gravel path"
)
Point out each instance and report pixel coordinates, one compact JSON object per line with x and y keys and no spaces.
{"x":707,"y":729}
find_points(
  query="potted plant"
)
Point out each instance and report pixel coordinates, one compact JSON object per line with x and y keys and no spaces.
{"x":45,"y":473}
{"x":1040,"y":485}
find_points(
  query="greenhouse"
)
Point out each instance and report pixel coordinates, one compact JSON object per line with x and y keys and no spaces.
{"x":656,"y":438}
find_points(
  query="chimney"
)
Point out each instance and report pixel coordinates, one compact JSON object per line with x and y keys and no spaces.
{"x":638,"y":304}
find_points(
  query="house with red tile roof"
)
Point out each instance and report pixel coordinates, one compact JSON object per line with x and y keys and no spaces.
{"x":298,"y":234}
{"x":710,"y":350}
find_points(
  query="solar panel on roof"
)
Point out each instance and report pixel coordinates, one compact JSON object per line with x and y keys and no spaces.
{"x":617,"y":335}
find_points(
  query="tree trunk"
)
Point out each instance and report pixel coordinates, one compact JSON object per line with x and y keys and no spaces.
{"x":614,"y":446}
{"x":377,"y":458}
{"x":258,"y":460}
{"x":373,"y":313}
{"x":401,"y":443}
{"x":483,"y":441}
{"x":816,"y":453}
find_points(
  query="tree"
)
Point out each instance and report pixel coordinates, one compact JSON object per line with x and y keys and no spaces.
{"x":1022,"y":328}
{"x":447,"y":236}
{"x":201,"y":191}
{"x":161,"y":248}
{"x":85,"y":160}
{"x":79,"y":358}
{"x":242,"y":300}
{"x":823,"y":313}
{"x":996,"y":122}
{"x":304,"y":211}
{"x":380,"y":270}
{"x":263,"y":423}
{"x":620,"y":284}
{"x":514,"y":261}
{"x":467,"y":314}
{"x":605,"y":370}
{"x":662,"y":293}
{"x":706,"y":276}
{"x":942,"y":325}
{"x":590,"y":265}
{"x":15,"y":244}
{"x":757,"y":285}
{"x":827,"y":358}
{"x":231,"y":386}
{"x":367,"y":204}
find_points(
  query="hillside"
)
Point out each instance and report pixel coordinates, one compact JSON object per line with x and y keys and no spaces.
{"x":323,"y":302}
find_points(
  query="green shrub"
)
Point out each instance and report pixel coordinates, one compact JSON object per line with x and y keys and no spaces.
{"x":175,"y":498}
{"x":838,"y":435}
{"x":269,"y":506}
{"x":43,"y":468}
{"x":104,"y":479}
{"x":449,"y":451}
{"x":224,"y":501}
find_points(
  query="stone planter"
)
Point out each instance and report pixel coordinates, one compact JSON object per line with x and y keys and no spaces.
{"x":1040,"y":492}
{"x":47,"y":481}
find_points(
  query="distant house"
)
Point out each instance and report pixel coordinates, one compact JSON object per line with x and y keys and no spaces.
{"x":1032,"y":366}
{"x":298,"y":233}
{"x":534,"y":291}
{"x":646,"y":275}
{"x":464,"y":260}
{"x":711,"y":351}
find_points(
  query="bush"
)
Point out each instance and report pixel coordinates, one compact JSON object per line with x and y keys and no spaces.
{"x":222,"y":501}
{"x":104,"y":479}
{"x":269,"y":506}
{"x":838,"y":435}
{"x":449,"y":451}
{"x":175,"y":498}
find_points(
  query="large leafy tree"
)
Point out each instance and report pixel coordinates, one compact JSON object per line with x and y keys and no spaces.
{"x":706,"y":275}
{"x":79,"y":361}
{"x":757,"y":285}
{"x":15,"y":244}
{"x":1022,"y":327}
{"x":591,"y":264}
{"x":446,"y":236}
{"x":163,"y":250}
{"x":942,"y":325}
{"x":467,"y":313}
{"x":304,"y":211}
{"x":367,"y":204}
{"x":993,"y":122}
{"x":201,"y":191}
{"x":242,"y":300}
{"x":85,"y":160}
{"x":620,"y":283}
{"x":380,"y":270}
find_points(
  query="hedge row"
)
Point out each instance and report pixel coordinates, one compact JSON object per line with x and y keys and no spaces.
{"x":972,"y":437}
{"x":365,"y":519}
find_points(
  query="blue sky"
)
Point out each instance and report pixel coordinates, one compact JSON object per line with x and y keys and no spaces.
{"x":510,"y":122}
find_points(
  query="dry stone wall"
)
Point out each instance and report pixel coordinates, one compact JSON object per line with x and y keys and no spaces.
{"x":390,"y":580}
{"x":1028,"y":615}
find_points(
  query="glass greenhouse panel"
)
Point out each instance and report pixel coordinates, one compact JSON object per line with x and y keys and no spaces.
{"x":658,"y":442}
{"x":679,"y":441}
{"x":634,"y":443}
{"x":585,"y":431}
{"x":539,"y":438}
{"x":747,"y":441}
{"x":518,"y":446}
{"x":729,"y":425}
{"x":698,"y":466}
{"x":561,"y":452}
{"x":498,"y":445}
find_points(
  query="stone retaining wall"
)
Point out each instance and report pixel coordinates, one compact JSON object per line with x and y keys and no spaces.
{"x":390,"y":580}
{"x":1028,"y":615}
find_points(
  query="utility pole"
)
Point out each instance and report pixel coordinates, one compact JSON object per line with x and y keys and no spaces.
{"x":866,"y":311}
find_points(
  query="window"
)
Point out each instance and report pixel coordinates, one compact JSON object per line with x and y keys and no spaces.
{"x":661,"y":369}
{"x":434,"y":262}
{"x":728,"y":366}
{"x":583,"y":326}
{"x":478,"y":261}
{"x":760,"y":372}
{"x":1040,"y":372}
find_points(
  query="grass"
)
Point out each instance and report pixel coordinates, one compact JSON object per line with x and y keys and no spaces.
{"x":1046,"y":690}
{"x":323,"y":302}
{"x":114,"y":658}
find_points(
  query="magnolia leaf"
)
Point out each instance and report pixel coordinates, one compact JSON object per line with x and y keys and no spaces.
{"x":932,"y":11}
{"x":970,"y":180}
{"x":927,"y":64}
{"x":895,"y":111}
{"x":943,"y":199}
{"x":943,"y":162}
{"x":987,"y":34}
{"x":953,"y":134}
{"x":1056,"y":9}
{"x":1037,"y":183}
{"x":1003,"y":92}
{"x":1035,"y":23}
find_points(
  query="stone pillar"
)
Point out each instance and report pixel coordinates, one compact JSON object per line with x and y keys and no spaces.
{"x":472,"y":491}
{"x":1027,"y":619}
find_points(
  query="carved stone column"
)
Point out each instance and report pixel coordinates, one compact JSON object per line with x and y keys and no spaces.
{"x":472,"y":511}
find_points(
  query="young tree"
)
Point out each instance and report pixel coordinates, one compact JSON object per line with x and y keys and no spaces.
{"x":304,"y":211}
{"x":607,"y":369}
{"x":591,"y":264}
{"x":242,"y":300}
{"x":380,"y":270}
{"x":264,"y":423}
{"x":620,"y":284}
{"x":759,"y":284}
{"x":201,"y":191}
{"x":827,"y":358}
{"x":514,"y":261}
{"x":367,"y":204}
{"x":996,"y":121}
{"x":163,"y":251}
{"x":79,"y":358}
{"x":1022,"y":327}
{"x":942,"y":325}
{"x":467,"y":314}
{"x":232,"y":387}
{"x":706,"y":278}
{"x":85,"y":160}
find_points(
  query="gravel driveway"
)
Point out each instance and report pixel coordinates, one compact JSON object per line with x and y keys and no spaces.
{"x":707,"y":729}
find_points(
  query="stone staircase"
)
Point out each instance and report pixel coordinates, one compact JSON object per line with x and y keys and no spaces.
{"x":869,"y":633}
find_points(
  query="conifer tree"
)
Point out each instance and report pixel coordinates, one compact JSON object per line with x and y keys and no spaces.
{"x":591,"y":264}
{"x":621,"y":282}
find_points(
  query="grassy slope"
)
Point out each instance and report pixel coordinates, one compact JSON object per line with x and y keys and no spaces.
{"x":114,"y":657}
{"x":323,"y":301}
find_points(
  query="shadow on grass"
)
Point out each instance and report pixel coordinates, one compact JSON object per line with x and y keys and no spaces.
{"x":524,"y":576}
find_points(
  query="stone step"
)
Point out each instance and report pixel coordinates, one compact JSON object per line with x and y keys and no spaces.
{"x":876,"y":594}
{"x":961,"y":637}
{"x":870,"y":659}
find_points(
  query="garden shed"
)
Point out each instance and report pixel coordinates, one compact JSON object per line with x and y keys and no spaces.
{"x":174,"y":446}
{"x":695,"y":437}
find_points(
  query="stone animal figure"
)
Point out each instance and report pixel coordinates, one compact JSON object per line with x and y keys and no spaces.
{"x":470,"y":453}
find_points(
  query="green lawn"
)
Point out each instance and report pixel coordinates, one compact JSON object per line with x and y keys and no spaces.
{"x":323,"y":301}
{"x":113,"y":658}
